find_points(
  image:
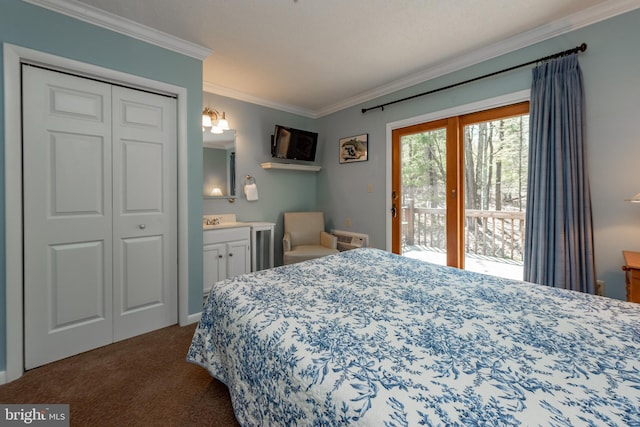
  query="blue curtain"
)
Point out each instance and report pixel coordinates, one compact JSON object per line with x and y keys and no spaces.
{"x":558,"y":231}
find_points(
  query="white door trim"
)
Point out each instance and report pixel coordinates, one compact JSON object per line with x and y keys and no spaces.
{"x":485,"y":104}
{"x":13,"y":55}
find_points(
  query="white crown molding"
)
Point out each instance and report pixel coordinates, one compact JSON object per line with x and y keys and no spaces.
{"x":127,"y":27}
{"x":573,"y":22}
{"x":241,"y":96}
{"x":124,"y":26}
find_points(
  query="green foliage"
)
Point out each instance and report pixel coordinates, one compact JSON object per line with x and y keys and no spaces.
{"x":424,"y":166}
{"x":489,"y":146}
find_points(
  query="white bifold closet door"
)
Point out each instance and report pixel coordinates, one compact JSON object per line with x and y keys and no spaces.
{"x":100,"y":214}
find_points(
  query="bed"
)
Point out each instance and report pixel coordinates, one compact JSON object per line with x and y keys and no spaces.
{"x":370,"y":338}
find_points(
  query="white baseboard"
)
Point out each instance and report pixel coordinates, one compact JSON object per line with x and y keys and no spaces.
{"x":193,"y":318}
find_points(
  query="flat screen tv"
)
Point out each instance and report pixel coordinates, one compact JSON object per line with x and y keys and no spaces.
{"x":295,"y":144}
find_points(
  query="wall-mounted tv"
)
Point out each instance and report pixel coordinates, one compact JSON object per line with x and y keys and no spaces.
{"x":295,"y":144}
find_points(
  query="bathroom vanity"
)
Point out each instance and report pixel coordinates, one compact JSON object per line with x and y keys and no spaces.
{"x":230,"y":247}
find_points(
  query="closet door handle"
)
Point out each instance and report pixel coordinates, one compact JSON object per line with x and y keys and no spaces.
{"x":142,"y":226}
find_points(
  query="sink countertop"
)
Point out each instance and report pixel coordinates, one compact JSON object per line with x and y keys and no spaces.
{"x":225,"y":225}
{"x":223,"y":221}
{"x":229,"y":221}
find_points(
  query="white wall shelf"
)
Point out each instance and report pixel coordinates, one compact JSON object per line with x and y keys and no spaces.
{"x":291,"y":166}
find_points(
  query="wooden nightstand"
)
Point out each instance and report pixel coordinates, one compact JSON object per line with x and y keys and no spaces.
{"x":632,"y":268}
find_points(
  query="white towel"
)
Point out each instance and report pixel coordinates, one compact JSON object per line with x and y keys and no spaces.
{"x":251,"y":191}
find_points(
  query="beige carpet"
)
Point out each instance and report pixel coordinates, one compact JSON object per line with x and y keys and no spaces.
{"x":142,"y":381}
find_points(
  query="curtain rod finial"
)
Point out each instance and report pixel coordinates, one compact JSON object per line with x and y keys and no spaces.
{"x":583,"y":47}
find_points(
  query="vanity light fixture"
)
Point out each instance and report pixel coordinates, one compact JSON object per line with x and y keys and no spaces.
{"x":211,"y":121}
{"x":223,"y":123}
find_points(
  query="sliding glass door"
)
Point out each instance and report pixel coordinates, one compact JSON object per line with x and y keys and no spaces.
{"x":459,"y":190}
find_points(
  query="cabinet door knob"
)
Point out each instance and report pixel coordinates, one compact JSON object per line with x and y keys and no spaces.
{"x":219,"y":256}
{"x":230,"y":254}
{"x":142,"y":226}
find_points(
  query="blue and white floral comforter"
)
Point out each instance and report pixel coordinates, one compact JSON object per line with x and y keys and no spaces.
{"x":370,"y":338}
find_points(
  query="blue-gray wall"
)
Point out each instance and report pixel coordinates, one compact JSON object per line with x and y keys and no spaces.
{"x":36,"y":28}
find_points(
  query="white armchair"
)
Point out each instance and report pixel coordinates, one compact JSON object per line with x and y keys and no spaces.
{"x":305,"y":237}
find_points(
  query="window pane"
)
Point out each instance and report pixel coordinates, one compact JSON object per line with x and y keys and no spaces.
{"x":423,"y":183}
{"x":495,"y":170}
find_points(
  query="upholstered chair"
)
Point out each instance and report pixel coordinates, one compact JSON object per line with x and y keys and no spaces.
{"x":305,"y":237}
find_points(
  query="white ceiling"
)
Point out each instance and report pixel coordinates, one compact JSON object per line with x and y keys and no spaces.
{"x":314,"y":57}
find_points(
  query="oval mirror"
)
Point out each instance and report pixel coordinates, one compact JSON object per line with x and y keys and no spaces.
{"x":218,"y":165}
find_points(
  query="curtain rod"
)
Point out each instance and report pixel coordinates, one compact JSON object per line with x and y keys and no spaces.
{"x":576,"y":49}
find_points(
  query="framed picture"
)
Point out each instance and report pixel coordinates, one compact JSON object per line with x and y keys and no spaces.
{"x":354,"y":148}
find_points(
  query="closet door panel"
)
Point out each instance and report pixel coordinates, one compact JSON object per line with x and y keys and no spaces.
{"x":77,"y":282}
{"x":142,"y":287}
{"x":77,"y":187}
{"x":145,"y":212}
{"x":67,"y":215}
{"x":142,"y":177}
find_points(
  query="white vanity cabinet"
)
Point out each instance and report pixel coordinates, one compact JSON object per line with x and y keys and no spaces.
{"x":227,"y":253}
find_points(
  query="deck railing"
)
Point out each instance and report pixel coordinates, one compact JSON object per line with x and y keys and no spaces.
{"x":498,"y":234}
